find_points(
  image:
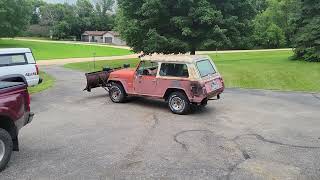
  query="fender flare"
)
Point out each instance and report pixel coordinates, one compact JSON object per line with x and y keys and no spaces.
{"x":6,"y":77}
{"x":118,"y":81}
{"x":172,"y":89}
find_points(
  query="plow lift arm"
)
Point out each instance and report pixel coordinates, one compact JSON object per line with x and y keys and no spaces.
{"x":100,"y":78}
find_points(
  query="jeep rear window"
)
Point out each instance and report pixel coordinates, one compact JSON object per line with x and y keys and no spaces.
{"x":174,"y":70}
{"x":16,"y":59}
{"x":205,"y":68}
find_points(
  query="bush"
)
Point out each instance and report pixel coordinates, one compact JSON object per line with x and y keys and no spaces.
{"x":37,"y":31}
{"x":307,"y":32}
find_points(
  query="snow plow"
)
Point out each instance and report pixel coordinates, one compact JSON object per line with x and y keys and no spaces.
{"x":100,"y":78}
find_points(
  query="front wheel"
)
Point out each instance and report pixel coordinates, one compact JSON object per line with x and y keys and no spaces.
{"x":179,"y":103}
{"x":6,"y":146}
{"x":117,"y":93}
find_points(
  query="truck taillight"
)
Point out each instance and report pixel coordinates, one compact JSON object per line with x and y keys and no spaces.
{"x":37,"y":68}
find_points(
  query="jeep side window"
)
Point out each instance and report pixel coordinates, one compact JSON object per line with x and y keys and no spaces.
{"x":148,"y":68}
{"x":174,"y":70}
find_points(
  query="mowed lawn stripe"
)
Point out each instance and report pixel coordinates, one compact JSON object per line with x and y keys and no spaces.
{"x":268,"y":70}
{"x":47,"y":50}
{"x":254,"y":70}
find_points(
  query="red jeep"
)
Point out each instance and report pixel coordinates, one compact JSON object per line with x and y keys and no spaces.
{"x":180,"y":80}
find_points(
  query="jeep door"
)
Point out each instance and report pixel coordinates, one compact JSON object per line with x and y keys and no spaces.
{"x":145,"y":81}
{"x":173,"y":75}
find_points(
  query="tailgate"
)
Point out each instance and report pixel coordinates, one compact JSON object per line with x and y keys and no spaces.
{"x":214,"y":85}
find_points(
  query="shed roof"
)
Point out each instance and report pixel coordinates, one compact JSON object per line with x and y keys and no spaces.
{"x":174,"y":58}
{"x":113,"y":33}
{"x":94,"y":33}
{"x":100,"y":33}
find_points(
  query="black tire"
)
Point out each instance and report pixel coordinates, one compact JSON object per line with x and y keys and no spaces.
{"x":203,"y":104}
{"x":6,"y":141}
{"x":117,"y":93}
{"x":179,"y":103}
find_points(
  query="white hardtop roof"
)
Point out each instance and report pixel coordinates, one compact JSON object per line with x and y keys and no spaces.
{"x":14,"y":50}
{"x":174,"y":58}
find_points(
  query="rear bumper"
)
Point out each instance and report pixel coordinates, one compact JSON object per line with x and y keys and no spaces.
{"x":29,"y":118}
{"x":24,"y":120}
{"x":200,"y":99}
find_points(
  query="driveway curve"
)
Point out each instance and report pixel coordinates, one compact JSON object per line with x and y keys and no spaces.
{"x":249,"y":134}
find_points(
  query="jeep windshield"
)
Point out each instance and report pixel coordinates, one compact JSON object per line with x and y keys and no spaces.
{"x":205,"y":68}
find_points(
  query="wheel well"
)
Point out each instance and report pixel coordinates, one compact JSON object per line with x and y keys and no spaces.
{"x":8,"y":125}
{"x":15,"y":79}
{"x":117,"y":82}
{"x":171,"y":90}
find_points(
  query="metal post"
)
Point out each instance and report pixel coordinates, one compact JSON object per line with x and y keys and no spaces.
{"x":94,"y":61}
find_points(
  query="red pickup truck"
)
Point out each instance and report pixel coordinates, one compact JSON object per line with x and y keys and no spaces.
{"x":14,"y":114}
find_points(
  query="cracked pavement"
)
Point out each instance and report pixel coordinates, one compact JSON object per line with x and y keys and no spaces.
{"x":248,"y":134}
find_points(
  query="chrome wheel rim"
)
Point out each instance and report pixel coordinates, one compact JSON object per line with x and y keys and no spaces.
{"x":116,"y":93}
{"x":177,"y":104}
{"x":2,"y":149}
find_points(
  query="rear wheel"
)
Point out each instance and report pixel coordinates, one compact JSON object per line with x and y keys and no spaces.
{"x":117,"y":93}
{"x":6,"y":146}
{"x":179,"y":103}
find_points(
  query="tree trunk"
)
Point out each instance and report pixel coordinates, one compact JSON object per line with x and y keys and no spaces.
{"x":193,"y":51}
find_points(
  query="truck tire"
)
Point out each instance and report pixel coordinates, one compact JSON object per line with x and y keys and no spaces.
{"x":179,"y":103}
{"x":117,"y":93}
{"x":6,"y":146}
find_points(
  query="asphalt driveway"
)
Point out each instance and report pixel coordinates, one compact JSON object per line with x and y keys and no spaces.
{"x":249,"y":134}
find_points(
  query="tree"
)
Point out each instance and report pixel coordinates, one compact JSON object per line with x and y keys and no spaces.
{"x":84,"y":8}
{"x":280,"y":15}
{"x":36,"y":4}
{"x":182,"y":26}
{"x":14,"y":17}
{"x":69,"y":20}
{"x":61,"y":30}
{"x":102,"y":18}
{"x":61,"y":18}
{"x":259,"y":5}
{"x":267,"y":34}
{"x":307,"y":31}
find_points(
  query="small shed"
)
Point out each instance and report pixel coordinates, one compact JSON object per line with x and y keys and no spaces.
{"x":109,"y":37}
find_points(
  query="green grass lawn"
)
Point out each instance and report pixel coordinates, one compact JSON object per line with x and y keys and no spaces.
{"x":46,"y":50}
{"x":48,"y":82}
{"x":258,"y":70}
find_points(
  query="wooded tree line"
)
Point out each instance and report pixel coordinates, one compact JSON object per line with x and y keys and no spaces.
{"x":62,"y":21}
{"x":178,"y":26}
